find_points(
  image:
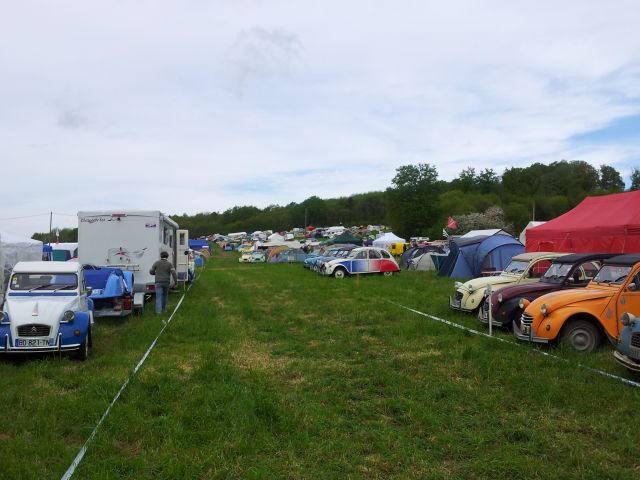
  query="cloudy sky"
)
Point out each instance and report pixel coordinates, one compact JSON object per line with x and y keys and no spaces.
{"x":188,"y":106}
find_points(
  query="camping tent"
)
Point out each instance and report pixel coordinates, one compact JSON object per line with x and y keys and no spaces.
{"x":14,"y":249}
{"x":470,"y":257}
{"x":346,"y":238}
{"x":426,"y":261}
{"x":386,"y":240}
{"x":523,"y":233}
{"x":610,"y":223}
{"x":415,"y":252}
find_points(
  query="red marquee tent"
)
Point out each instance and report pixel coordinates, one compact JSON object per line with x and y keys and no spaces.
{"x":609,"y":224}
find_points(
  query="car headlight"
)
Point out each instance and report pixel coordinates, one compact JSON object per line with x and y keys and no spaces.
{"x":457,"y":285}
{"x":69,"y":315}
{"x":544,"y":310}
{"x":499,"y":298}
{"x":471,"y":289}
{"x":627,"y":319}
{"x":523,"y":303}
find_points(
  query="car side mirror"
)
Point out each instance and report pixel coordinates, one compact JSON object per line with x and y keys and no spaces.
{"x":632,"y":287}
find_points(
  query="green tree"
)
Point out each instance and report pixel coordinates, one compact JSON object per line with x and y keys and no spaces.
{"x":635,"y":179}
{"x":610,"y":179}
{"x":413,"y":199}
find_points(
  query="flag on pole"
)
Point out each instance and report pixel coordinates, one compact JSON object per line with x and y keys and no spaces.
{"x":451,"y":223}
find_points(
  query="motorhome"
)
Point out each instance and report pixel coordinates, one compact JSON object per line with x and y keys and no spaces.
{"x":127,"y":239}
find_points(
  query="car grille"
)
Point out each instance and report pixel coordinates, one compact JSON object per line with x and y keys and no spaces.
{"x":34,"y":330}
{"x":635,"y":340}
{"x":459,"y":296}
{"x":527,"y":319}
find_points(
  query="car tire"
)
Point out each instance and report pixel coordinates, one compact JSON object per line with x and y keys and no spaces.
{"x":339,"y":273}
{"x":581,"y":335}
{"x":83,"y":353}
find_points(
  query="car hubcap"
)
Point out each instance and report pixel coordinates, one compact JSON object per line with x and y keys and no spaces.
{"x":581,"y":340}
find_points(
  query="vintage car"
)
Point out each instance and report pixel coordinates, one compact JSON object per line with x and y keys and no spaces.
{"x":361,"y":260}
{"x":628,"y":349}
{"x":582,"y":317}
{"x":47,"y":309}
{"x":314,"y":262}
{"x":253,"y":257}
{"x":523,"y":268}
{"x":568,"y":271}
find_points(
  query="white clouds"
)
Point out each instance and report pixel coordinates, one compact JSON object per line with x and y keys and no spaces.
{"x":104,"y":102}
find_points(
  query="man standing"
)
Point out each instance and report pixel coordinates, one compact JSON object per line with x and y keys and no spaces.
{"x":164,"y":271}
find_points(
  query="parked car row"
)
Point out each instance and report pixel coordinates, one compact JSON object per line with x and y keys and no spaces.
{"x":343,"y":262}
{"x":578,"y":299}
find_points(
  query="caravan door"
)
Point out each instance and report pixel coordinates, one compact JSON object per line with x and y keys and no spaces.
{"x":182,"y":255}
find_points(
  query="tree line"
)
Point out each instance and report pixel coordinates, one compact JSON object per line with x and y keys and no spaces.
{"x":418,"y":203}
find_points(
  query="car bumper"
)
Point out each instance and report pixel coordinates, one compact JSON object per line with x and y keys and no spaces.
{"x":483,"y":316}
{"x":7,"y":347}
{"x":525,"y":333}
{"x":627,"y":362}
{"x":457,"y":305}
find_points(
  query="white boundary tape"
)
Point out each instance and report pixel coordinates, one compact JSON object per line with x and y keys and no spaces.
{"x":517,"y":344}
{"x":76,"y":461}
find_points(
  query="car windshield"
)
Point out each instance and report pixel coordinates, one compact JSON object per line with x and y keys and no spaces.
{"x":556,"y":273}
{"x":516,"y":266}
{"x":614,"y":274}
{"x":44,"y":281}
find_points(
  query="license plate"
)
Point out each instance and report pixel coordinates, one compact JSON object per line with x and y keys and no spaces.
{"x":33,"y":342}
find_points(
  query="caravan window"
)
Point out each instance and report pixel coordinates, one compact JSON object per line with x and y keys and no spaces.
{"x":168,"y":236}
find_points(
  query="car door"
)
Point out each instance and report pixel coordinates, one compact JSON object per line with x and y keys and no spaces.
{"x":360,"y":262}
{"x":375,"y":259}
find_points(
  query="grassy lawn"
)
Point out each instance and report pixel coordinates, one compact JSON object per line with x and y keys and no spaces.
{"x":270,"y":371}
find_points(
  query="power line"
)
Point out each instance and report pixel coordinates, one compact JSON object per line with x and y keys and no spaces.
{"x":26,"y":216}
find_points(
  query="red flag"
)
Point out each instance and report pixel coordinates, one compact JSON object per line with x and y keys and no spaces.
{"x":451,"y":223}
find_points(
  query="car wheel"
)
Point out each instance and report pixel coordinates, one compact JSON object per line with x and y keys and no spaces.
{"x":83,"y":353}
{"x":581,"y":335}
{"x":388,"y":274}
{"x":339,"y":273}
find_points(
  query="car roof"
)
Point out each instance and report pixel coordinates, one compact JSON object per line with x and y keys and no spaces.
{"x":47,"y":267}
{"x":627,"y":259}
{"x":584,"y":257}
{"x":531,"y":255}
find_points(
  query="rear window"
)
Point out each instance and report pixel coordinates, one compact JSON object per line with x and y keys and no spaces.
{"x":44,"y":281}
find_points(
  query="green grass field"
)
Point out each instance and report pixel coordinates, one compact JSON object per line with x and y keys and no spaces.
{"x":270,"y":371}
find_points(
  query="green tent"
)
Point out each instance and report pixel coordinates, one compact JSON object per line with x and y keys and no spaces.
{"x":346,"y":237}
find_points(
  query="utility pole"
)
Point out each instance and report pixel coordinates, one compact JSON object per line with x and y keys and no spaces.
{"x":50,"y":225}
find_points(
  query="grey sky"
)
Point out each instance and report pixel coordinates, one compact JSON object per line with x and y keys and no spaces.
{"x":191,"y":106}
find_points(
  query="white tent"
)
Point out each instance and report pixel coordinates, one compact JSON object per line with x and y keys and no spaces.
{"x":275,"y":238}
{"x":487,"y":232}
{"x":14,"y":249}
{"x":523,"y":234}
{"x":386,"y":240}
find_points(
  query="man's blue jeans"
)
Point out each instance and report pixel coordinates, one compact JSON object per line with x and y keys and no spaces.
{"x":162,"y":292}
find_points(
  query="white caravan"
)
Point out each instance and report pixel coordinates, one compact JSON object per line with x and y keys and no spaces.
{"x":127,"y":239}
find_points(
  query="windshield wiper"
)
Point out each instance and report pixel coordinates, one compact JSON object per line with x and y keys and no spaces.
{"x":64,"y":287}
{"x":37,"y":287}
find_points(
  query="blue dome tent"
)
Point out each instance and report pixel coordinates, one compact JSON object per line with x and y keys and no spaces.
{"x":470,"y":256}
